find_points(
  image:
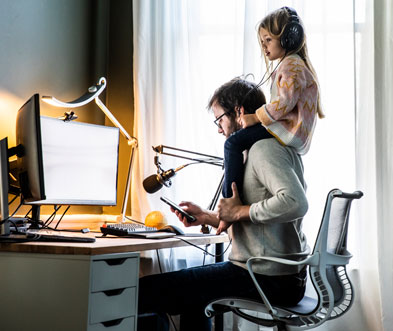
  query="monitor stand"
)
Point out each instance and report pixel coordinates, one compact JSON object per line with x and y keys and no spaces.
{"x":35,"y":222}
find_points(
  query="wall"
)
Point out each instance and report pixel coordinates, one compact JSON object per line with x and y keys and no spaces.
{"x":120,"y":96}
{"x":60,"y":48}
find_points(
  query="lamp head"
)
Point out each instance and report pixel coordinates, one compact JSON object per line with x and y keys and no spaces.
{"x":92,"y":93}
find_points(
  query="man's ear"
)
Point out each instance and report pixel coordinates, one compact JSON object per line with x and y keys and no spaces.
{"x":241,"y":110}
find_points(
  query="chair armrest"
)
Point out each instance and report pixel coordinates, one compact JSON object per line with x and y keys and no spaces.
{"x":335,"y":259}
{"x":312,"y":260}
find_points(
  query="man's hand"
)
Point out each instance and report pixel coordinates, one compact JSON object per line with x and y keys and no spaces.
{"x":191,"y":209}
{"x":232,"y":209}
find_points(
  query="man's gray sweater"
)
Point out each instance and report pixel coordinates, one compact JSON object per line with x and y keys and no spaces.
{"x":274,"y":187}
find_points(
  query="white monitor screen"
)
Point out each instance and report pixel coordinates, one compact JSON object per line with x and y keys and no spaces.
{"x":80,"y":163}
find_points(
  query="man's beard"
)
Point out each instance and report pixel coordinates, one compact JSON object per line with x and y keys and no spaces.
{"x":235,"y":126}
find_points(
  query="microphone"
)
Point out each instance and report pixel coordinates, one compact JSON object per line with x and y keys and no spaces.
{"x":154,"y":183}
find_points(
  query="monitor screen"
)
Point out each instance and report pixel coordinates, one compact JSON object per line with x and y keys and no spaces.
{"x":80,"y":163}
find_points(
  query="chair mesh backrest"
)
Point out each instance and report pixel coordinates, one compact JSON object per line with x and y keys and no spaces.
{"x":337,"y":241}
{"x":338,"y":225}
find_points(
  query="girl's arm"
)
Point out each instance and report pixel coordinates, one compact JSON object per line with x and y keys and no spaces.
{"x":287,"y":87}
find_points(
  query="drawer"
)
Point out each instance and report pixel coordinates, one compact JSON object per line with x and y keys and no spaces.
{"x":112,"y":274}
{"x":111,"y":305}
{"x":125,"y":324}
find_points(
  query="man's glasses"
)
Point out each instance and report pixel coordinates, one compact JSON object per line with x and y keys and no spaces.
{"x":217,"y":120}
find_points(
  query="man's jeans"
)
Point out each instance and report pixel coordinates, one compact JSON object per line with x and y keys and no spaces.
{"x":187,"y":292}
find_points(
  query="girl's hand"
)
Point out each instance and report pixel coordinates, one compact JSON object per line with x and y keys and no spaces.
{"x":247,"y":120}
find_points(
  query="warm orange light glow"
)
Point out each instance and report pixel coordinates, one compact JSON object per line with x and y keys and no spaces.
{"x":9,"y":105}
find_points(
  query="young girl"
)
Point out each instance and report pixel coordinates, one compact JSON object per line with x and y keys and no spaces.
{"x":291,"y":115}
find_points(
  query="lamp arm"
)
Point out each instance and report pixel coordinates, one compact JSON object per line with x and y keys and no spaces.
{"x":130,"y":139}
{"x":209,"y":159}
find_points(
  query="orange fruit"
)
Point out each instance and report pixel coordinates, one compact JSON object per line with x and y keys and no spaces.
{"x":156,"y":219}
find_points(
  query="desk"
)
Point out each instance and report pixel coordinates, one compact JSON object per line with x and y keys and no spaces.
{"x":76,"y":286}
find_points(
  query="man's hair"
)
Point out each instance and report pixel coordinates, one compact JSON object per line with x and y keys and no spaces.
{"x":236,"y":93}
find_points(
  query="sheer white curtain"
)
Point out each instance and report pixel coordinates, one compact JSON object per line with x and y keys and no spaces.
{"x":374,"y":158}
{"x":184,"y":50}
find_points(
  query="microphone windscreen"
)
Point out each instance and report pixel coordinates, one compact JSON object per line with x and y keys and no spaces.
{"x":151,"y":184}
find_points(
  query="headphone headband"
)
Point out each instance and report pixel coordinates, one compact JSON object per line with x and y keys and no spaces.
{"x":292,"y":36}
{"x":292,"y":13}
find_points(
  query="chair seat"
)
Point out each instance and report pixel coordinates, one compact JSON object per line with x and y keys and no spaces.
{"x":304,"y":307}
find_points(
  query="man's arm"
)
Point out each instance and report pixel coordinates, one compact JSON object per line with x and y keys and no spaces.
{"x":280,"y":171}
{"x":275,"y":171}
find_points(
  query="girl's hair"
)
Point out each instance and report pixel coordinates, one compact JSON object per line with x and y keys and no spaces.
{"x":236,"y":93}
{"x":274,"y":23}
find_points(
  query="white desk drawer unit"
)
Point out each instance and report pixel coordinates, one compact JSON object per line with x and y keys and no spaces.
{"x":114,"y":292}
{"x":69,"y":292}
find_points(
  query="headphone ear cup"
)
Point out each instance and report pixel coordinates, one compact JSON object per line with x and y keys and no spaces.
{"x":292,"y":36}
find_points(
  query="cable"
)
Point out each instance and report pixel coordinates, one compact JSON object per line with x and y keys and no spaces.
{"x":261,"y":82}
{"x":29,"y":212}
{"x":159,"y":266}
{"x":51,"y":217}
{"x":159,"y":261}
{"x":130,"y":219}
{"x":8,"y":218}
{"x":13,"y":199}
{"x":205,"y":251}
{"x":61,"y":217}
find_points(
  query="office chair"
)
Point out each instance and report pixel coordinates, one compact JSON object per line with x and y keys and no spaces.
{"x":327,"y":269}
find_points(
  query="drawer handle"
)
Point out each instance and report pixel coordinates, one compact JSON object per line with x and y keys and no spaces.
{"x":112,"y":323}
{"x":115,"y":261}
{"x":111,"y":293}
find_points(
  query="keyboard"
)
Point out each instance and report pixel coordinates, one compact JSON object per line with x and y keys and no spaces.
{"x":126,"y":229}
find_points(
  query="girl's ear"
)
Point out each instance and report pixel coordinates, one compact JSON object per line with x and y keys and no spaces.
{"x":241,"y":110}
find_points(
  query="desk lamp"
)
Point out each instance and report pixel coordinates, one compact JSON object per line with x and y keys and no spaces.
{"x":92,"y":94}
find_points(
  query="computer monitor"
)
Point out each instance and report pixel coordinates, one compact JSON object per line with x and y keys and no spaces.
{"x":64,"y":163}
{"x":80,"y":163}
{"x":29,"y":151}
{"x":4,"y":224}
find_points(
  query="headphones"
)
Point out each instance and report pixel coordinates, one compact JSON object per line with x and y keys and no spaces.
{"x":293,"y":35}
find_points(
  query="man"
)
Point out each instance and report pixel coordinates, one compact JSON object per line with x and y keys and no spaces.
{"x":267,"y":221}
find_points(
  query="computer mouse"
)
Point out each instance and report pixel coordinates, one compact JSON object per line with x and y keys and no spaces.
{"x":172,"y":229}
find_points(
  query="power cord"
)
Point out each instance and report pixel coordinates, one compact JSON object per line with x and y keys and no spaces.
{"x":12,"y":215}
{"x":159,"y":266}
{"x":61,"y":217}
{"x":132,"y":220}
{"x":204,"y":250}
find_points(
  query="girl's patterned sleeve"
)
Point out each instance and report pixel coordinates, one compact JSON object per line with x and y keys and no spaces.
{"x":289,"y":82}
